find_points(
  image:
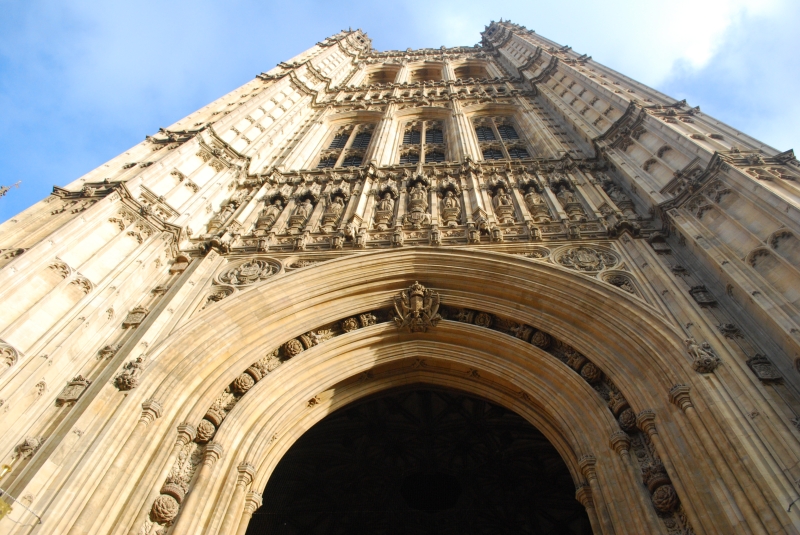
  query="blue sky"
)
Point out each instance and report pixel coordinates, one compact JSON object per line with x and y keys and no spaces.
{"x":82,"y":81}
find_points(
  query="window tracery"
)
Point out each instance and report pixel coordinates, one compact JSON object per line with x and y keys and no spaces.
{"x":347,"y":147}
{"x":498,"y":139}
{"x":422,"y":139}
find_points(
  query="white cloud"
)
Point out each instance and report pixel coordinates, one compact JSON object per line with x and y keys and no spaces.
{"x":643,"y":39}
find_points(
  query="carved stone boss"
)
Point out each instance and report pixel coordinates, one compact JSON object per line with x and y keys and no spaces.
{"x":417,"y":308}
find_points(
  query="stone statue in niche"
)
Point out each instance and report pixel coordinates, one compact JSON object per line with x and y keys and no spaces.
{"x":333,"y":212}
{"x":417,"y":215}
{"x":268,"y":216}
{"x":503,"y":206}
{"x":384,"y":211}
{"x":451,"y":209}
{"x":300,"y":215}
{"x":537,"y":206}
{"x":569,"y":201}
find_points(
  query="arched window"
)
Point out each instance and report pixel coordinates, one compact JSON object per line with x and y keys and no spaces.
{"x":434,"y":136}
{"x":492,"y":154}
{"x":326,"y":162}
{"x":484,"y":133}
{"x":409,"y":157}
{"x":517,"y":153}
{"x":411,"y":137}
{"x":339,"y":141}
{"x":361,"y":141}
{"x":352,"y":161}
{"x":434,"y":156}
{"x":507,"y":132}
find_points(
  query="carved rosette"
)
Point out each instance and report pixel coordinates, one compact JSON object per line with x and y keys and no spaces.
{"x":249,"y":272}
{"x":586,"y":259}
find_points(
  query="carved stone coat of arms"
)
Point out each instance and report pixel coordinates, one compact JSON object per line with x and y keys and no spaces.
{"x":417,"y":308}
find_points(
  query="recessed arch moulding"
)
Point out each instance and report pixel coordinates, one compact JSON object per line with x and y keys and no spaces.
{"x":674,"y":442}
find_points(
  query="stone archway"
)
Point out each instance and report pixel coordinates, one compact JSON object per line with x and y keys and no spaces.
{"x":421,"y":460}
{"x":198,"y":373}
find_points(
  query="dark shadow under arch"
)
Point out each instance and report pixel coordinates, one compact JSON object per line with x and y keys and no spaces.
{"x":416,"y":460}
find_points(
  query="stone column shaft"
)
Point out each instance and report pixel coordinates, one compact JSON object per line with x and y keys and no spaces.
{"x":92,"y":511}
{"x":192,"y":502}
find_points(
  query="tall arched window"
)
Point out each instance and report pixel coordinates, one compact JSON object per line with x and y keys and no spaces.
{"x":498,"y":139}
{"x":426,"y":138}
{"x":484,"y":133}
{"x":347,"y":147}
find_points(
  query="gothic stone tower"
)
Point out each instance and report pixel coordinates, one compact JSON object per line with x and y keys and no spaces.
{"x":512,"y":221}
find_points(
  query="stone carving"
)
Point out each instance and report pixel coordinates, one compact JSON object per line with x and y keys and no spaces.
{"x":417,"y":308}
{"x":107,"y":352}
{"x":451,"y":209}
{"x":665,"y":499}
{"x":350,"y":324}
{"x":264,"y":365}
{"x":537,"y":206}
{"x":72,"y":391}
{"x":764,"y":369}
{"x":367,"y":319}
{"x":205,"y":431}
{"x":417,"y":214}
{"x":165,"y":509}
{"x":540,"y":340}
{"x":250,"y":272}
{"x":333,"y":211}
{"x":729,"y":330}
{"x":503,"y":207}
{"x":569,"y":201}
{"x":703,"y":297}
{"x":217,"y":294}
{"x":128,"y":378}
{"x":586,"y":259}
{"x":298,"y":218}
{"x":243,"y":383}
{"x":27,"y":448}
{"x":268,"y":215}
{"x":384,"y":210}
{"x":135,"y":317}
{"x":177,"y":482}
{"x":293,"y":347}
{"x":704,"y":360}
{"x":220,"y":408}
{"x":627,"y":420}
{"x":623,"y":282}
{"x":8,"y":356}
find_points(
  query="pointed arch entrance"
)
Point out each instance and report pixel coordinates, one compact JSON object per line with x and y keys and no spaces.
{"x":604,"y":377}
{"x":421,"y":459}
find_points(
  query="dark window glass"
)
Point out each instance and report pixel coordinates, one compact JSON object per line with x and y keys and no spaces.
{"x":326,"y":162}
{"x":518,"y":153}
{"x":339,"y":141}
{"x":361,"y":140}
{"x":434,"y":156}
{"x":507,"y":132}
{"x":411,"y":137}
{"x":352,"y":161}
{"x":411,"y":157}
{"x":434,"y":136}
{"x":492,"y":154}
{"x":484,"y":133}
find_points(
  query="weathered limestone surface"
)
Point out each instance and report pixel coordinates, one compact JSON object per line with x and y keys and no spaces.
{"x":512,"y":220}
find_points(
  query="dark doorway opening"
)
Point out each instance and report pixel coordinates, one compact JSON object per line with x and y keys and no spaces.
{"x":421,"y":461}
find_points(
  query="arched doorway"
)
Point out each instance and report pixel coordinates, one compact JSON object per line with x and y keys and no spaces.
{"x":421,"y":460}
